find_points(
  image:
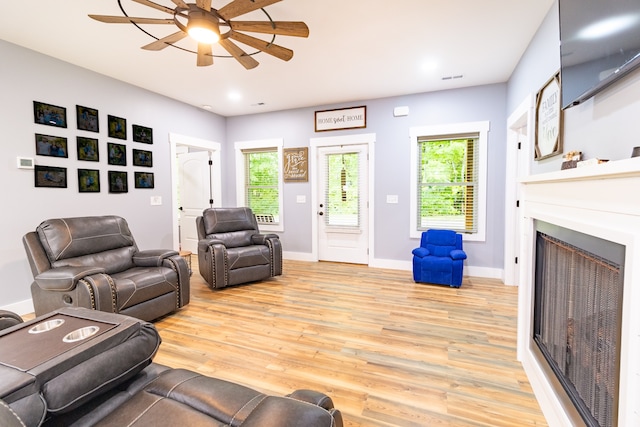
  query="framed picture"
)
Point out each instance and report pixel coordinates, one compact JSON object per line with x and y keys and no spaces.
{"x":117,"y":127}
{"x":296,"y":164}
{"x":87,"y":118}
{"x":344,"y":118}
{"x":142,"y":134}
{"x":142,"y":158}
{"x":117,"y":154}
{"x":50,"y":115}
{"x":49,"y":176}
{"x":89,"y":180}
{"x":87,"y":149}
{"x":118,"y":182}
{"x":548,"y":120}
{"x":143,"y":179}
{"x":54,"y":146}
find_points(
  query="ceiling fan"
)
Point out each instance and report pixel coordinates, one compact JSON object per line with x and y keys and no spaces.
{"x":203,"y":23}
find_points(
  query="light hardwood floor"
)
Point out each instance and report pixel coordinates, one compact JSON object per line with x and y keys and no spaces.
{"x":388,"y":351}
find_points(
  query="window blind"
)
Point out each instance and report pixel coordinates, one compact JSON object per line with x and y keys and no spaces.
{"x":342,"y":190}
{"x":447,"y":182}
{"x":261,"y":184}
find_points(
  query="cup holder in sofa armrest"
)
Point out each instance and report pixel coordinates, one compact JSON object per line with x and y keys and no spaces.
{"x":81,"y":334}
{"x":46,"y":326}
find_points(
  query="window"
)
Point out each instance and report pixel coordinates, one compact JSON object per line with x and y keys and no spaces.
{"x":259,"y":184}
{"x":448,"y":175}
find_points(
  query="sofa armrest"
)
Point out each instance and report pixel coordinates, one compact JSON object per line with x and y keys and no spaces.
{"x":261,"y":239}
{"x":64,"y":278}
{"x":205,"y":244}
{"x":152,"y":257}
{"x":8,"y":319}
{"x":458,"y":254}
{"x":420,"y":252}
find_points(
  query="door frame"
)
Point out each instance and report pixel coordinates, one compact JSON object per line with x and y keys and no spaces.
{"x":214,"y":147}
{"x":520,"y":130}
{"x":368,"y":139}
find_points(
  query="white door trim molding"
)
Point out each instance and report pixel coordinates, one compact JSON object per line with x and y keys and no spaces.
{"x":357,"y":139}
{"x":175,"y":140}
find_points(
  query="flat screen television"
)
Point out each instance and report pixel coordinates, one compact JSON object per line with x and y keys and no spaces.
{"x":599,"y":44}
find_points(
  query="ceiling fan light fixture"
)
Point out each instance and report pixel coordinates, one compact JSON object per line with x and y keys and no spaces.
{"x":203,"y":27}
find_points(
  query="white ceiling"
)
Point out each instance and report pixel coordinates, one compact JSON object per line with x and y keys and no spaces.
{"x":356,"y":50}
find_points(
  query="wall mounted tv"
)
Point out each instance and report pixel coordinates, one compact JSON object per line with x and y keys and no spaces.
{"x":599,"y":44}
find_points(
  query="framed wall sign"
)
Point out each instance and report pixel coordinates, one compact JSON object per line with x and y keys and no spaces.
{"x":346,"y":118}
{"x":548,"y":120}
{"x":296,"y":164}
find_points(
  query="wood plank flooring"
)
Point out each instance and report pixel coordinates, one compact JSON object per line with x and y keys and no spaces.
{"x":388,"y":351}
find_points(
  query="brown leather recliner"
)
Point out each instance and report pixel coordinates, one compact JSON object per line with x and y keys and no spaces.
{"x":231,"y":249}
{"x":94,"y":262}
{"x":109,"y":379}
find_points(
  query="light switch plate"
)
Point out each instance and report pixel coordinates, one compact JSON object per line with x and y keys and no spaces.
{"x":392,"y":198}
{"x":156,"y":200}
{"x":301,"y":199}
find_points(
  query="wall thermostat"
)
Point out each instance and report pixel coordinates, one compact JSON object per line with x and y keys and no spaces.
{"x":25,"y":163}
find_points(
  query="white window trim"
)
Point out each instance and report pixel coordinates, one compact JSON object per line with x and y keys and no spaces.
{"x":240,"y":175}
{"x":482,"y":128}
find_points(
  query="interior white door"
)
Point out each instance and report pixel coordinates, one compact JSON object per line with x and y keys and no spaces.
{"x":343,"y":204}
{"x":194,"y":193}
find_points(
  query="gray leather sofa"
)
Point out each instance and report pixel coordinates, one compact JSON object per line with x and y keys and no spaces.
{"x":109,"y":379}
{"x":231,"y":249}
{"x":94,"y":262}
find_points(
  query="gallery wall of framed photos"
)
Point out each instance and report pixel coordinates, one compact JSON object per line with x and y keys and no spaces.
{"x":108,"y":154}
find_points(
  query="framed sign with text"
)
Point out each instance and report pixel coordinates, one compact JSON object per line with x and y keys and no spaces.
{"x":548,"y":120}
{"x":296,"y":164}
{"x":345,"y":118}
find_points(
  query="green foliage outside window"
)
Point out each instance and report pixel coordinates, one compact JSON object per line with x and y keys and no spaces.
{"x":262,"y":183}
{"x":446,"y":184}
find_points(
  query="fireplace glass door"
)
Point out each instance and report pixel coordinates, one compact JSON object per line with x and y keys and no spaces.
{"x":577,"y":317}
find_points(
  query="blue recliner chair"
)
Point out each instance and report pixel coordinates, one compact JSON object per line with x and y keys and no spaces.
{"x":439,"y":259}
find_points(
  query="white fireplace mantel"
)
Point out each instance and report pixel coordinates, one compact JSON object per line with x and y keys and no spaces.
{"x":601,"y":200}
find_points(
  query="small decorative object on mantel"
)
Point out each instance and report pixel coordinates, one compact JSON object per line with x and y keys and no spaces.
{"x":571,"y":159}
{"x":590,"y":162}
{"x":548,"y":120}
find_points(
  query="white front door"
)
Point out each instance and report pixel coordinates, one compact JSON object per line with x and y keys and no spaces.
{"x":343,"y":204}
{"x":195,"y":194}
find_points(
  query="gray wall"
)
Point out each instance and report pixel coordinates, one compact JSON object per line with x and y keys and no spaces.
{"x":26,"y":76}
{"x":602,"y":127}
{"x":392,"y":164}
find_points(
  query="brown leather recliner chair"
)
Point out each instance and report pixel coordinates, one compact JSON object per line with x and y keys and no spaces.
{"x":231,"y":249}
{"x":94,"y":262}
{"x":109,"y":379}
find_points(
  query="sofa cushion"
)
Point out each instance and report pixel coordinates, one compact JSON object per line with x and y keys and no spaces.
{"x":248,"y":256}
{"x":72,"y":237}
{"x":140,"y":284}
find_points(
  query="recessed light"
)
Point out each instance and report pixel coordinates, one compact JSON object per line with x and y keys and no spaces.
{"x":258,"y":104}
{"x":453,"y":77}
{"x":206,"y":107}
{"x":234,"y":96}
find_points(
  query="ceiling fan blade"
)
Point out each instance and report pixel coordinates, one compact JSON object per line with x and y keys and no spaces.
{"x":240,"y":7}
{"x":155,"y":6}
{"x":270,"y":48}
{"x":180,"y":3}
{"x":165,"y":41}
{"x":205,"y":56}
{"x":283,"y":28}
{"x":204,"y":4}
{"x":129,"y":19}
{"x":247,"y":61}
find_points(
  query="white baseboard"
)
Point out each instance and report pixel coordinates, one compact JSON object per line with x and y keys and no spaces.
{"x":392,"y":264}
{"x":21,"y":308}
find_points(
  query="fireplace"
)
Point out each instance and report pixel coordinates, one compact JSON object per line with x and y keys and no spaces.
{"x":579,"y":295}
{"x":577,"y":317}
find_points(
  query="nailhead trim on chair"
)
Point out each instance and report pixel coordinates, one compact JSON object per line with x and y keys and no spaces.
{"x":92,"y":294}
{"x":112,"y":287}
{"x":174,"y":267}
{"x":270,"y":245}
